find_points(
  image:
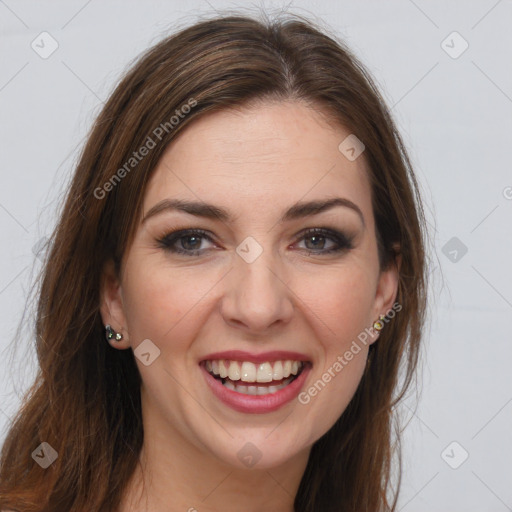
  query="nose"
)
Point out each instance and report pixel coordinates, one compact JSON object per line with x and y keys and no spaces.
{"x":256,"y":296}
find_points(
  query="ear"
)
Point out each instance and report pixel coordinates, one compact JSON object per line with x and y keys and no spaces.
{"x":387,"y":288}
{"x":111,"y":304}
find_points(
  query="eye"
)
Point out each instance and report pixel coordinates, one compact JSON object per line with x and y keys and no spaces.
{"x":319,"y":237}
{"x":185,"y":241}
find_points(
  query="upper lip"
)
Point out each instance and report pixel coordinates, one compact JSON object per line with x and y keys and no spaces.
{"x":241,"y":355}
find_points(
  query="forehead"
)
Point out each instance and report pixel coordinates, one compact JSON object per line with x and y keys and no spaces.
{"x":270,"y":155}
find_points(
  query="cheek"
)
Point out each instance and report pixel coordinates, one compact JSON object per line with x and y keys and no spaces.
{"x":159,"y":303}
{"x":339,"y":304}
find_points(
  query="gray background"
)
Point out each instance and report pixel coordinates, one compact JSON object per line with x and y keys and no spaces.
{"x":455,"y":114}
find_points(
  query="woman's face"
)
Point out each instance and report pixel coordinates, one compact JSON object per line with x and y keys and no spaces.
{"x":274,"y":284}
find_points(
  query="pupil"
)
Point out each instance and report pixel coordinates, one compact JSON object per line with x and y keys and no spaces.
{"x":315,"y":237}
{"x":193,"y":237}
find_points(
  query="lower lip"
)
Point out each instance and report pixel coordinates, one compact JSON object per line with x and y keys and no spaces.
{"x":256,"y":404}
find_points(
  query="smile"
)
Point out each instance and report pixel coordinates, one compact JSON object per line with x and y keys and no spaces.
{"x":255,"y":383}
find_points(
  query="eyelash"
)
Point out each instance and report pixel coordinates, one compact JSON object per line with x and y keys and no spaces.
{"x":167,"y":242}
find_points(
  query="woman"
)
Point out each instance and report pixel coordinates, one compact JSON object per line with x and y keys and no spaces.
{"x":245,"y":219}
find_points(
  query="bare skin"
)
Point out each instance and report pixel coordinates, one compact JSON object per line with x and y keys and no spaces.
{"x":256,"y":163}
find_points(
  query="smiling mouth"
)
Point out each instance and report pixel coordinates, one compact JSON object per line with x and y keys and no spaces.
{"x":249,"y":378}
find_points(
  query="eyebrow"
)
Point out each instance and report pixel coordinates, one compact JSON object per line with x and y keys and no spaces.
{"x":210,"y":211}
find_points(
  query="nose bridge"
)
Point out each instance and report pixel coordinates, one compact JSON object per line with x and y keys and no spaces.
{"x":257,"y":296}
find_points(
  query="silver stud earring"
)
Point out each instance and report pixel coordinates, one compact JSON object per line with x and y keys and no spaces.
{"x":110,"y":333}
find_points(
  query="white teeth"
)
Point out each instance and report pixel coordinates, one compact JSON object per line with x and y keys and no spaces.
{"x":234,"y":371}
{"x":287,"y":369}
{"x":277,"y":374}
{"x":256,"y":390}
{"x":247,"y":371}
{"x":229,"y":385}
{"x":300,"y":365}
{"x":264,"y":373}
{"x":223,"y":372}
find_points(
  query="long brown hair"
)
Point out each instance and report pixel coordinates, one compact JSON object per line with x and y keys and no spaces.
{"x":85,"y":401}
